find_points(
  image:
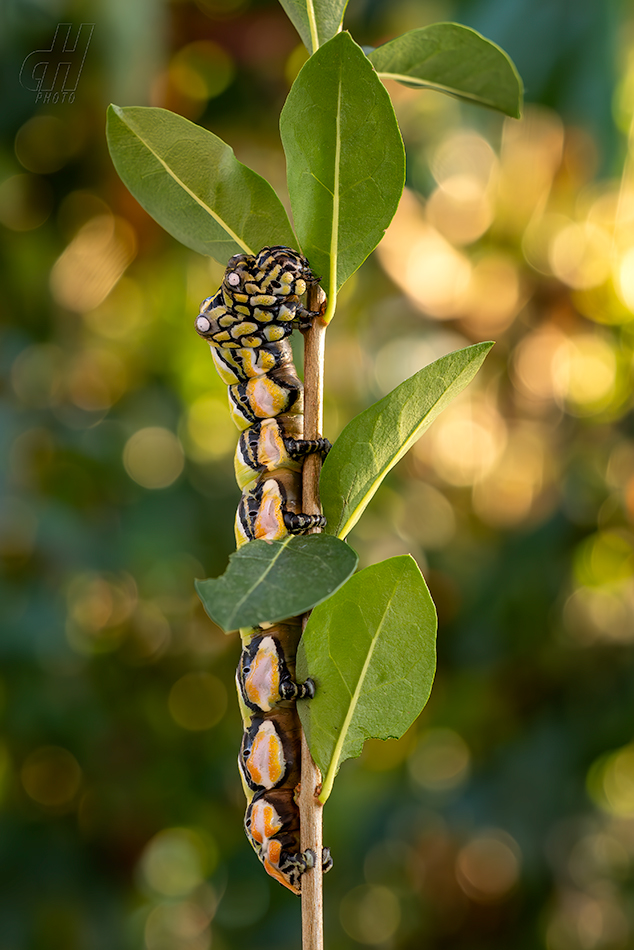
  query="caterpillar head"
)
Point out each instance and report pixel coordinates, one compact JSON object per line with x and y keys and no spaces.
{"x":240,"y":269}
{"x":282,"y":271}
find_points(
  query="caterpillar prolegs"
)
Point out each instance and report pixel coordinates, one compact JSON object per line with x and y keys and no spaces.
{"x":247,"y":323}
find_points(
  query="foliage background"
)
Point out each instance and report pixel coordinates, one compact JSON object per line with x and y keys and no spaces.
{"x":505,"y":816}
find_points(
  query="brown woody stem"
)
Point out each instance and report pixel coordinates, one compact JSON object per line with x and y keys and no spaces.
{"x":310,"y":809}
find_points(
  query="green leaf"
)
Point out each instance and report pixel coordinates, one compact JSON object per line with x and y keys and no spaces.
{"x":316,"y":21}
{"x":345,"y":160}
{"x":453,"y":59}
{"x":190,"y":181}
{"x":273,"y":580}
{"x":371,"y":650}
{"x":374,"y":441}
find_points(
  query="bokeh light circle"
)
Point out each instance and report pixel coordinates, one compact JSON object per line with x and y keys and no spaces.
{"x":153,"y":457}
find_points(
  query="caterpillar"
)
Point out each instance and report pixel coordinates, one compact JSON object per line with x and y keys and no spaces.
{"x":247,"y":324}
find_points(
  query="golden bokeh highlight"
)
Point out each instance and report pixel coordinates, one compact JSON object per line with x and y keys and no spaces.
{"x":625,"y":279}
{"x":209,"y":432}
{"x":370,"y":914}
{"x":460,"y":209}
{"x":605,"y":558}
{"x":51,"y":776}
{"x":197,"y":701}
{"x":424,"y":264}
{"x":534,"y":362}
{"x":201,"y":70}
{"x":176,"y":861}
{"x":464,"y":154}
{"x":493,"y":297}
{"x":579,"y":255}
{"x":584,"y":374}
{"x":595,"y":614}
{"x":441,"y":760}
{"x":488,"y":867}
{"x":611,"y":782}
{"x":153,"y":457}
{"x":506,"y":495}
{"x":467,"y":441}
{"x":96,"y":258}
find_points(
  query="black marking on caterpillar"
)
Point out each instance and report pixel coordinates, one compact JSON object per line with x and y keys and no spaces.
{"x":247,"y":323}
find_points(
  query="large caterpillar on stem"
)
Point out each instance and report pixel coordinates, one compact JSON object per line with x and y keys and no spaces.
{"x":247,"y":324}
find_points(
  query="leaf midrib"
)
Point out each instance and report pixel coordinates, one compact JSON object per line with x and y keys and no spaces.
{"x":312,"y":24}
{"x":334,"y":234}
{"x":430,"y":84}
{"x":261,"y":578}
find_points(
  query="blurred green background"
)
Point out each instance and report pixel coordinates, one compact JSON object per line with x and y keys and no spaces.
{"x":505,"y":817}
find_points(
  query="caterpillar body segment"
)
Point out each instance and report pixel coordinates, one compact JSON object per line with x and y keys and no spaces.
{"x":247,"y":324}
{"x":266,"y":671}
{"x":266,"y":396}
{"x":269,"y":755}
{"x":272,"y":444}
{"x":270,"y":510}
{"x":271,"y":824}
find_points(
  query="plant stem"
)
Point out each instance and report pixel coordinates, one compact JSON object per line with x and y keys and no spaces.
{"x":310,"y":809}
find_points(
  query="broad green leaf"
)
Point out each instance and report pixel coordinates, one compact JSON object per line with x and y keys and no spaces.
{"x":374,"y":441}
{"x":371,"y":650}
{"x":345,"y":160}
{"x":453,"y":59}
{"x":190,"y":181}
{"x":273,"y":580}
{"x":316,"y":21}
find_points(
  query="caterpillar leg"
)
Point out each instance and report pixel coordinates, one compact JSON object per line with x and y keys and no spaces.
{"x":300,"y":523}
{"x":273,"y":444}
{"x":291,"y":690}
{"x":307,"y":860}
{"x":300,"y":448}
